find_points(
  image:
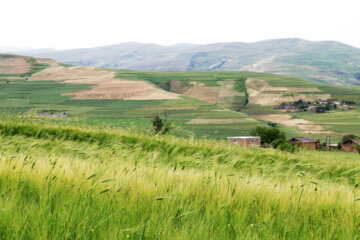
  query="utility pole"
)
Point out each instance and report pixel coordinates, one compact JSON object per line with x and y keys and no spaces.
{"x":328,"y":143}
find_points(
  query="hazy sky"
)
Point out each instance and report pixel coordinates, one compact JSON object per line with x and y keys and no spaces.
{"x":86,"y":23}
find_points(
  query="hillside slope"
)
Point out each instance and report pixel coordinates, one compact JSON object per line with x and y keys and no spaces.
{"x":326,"y":62}
{"x":260,"y":94}
{"x":96,"y":96}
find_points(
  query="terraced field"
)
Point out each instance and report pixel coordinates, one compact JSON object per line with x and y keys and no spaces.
{"x":214,"y":104}
{"x":262,"y":92}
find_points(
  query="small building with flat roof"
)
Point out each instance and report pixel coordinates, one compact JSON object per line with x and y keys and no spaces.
{"x":245,"y":141}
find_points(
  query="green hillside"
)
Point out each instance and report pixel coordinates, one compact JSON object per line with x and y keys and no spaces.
{"x":35,"y":98}
{"x":338,"y":121}
{"x":215,"y":104}
{"x":59,"y":181}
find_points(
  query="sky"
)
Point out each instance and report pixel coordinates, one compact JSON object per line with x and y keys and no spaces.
{"x":70,"y":24}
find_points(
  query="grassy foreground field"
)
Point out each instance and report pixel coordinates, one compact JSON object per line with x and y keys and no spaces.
{"x":62,"y":181}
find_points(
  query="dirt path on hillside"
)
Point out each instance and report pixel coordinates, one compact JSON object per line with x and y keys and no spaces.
{"x":303,"y":125}
{"x":14,"y":65}
{"x":261,"y":93}
{"x":105,"y":84}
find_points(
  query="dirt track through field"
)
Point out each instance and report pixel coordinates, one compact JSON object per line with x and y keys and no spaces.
{"x":303,"y":125}
{"x":105,"y":84}
{"x":261,"y":93}
{"x":14,"y":65}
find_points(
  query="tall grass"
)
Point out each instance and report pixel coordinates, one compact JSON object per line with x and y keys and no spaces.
{"x":71,"y":182}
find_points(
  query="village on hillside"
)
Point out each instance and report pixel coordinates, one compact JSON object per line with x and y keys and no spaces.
{"x":272,"y":137}
{"x":319,"y":106}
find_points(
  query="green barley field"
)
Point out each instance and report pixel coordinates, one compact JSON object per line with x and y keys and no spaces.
{"x":71,"y":180}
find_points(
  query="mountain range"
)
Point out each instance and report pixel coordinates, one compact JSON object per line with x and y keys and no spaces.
{"x":326,"y":62}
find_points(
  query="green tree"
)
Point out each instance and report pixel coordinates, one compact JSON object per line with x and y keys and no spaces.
{"x":268,"y":134}
{"x":161,"y":126}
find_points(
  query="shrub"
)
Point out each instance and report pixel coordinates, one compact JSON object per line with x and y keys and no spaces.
{"x":348,"y":137}
{"x":357,"y":147}
{"x":286,"y":147}
{"x":272,"y":124}
{"x":277,"y":142}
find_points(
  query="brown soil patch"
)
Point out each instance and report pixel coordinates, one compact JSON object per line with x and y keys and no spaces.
{"x":222,"y":94}
{"x":301,"y":124}
{"x":106,"y":87}
{"x":261,"y":93}
{"x":217,"y":120}
{"x":226,"y":90}
{"x":14,"y":65}
{"x":205,"y":93}
{"x":123,"y":89}
{"x":196,"y":90}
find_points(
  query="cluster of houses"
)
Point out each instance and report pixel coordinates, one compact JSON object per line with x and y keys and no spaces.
{"x":351,"y":145}
{"x":319,"y":106}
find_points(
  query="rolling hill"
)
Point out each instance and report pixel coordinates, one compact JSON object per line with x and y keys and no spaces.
{"x":324,"y":62}
{"x":216,"y":104}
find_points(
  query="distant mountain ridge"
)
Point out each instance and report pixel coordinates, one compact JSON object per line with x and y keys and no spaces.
{"x":324,"y":61}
